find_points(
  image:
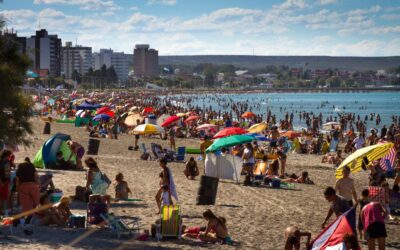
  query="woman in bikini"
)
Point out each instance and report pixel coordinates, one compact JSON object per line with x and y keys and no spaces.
{"x":216,"y":230}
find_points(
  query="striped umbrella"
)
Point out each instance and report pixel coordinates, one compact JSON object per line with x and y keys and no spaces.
{"x":148,"y":129}
{"x":364,"y":155}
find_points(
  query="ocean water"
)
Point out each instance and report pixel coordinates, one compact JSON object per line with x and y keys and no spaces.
{"x":386,"y":104}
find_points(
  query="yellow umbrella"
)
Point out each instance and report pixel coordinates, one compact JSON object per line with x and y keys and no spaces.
{"x":181,"y":114}
{"x":258,"y":128}
{"x":130,"y":120}
{"x":148,"y":129}
{"x":367,"y":154}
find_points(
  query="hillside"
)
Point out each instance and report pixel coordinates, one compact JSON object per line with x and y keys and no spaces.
{"x":312,"y":62}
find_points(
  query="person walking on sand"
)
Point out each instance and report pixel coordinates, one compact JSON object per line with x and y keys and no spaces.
{"x":339,"y":205}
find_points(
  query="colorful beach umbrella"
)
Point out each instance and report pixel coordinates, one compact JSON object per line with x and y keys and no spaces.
{"x":148,"y":110}
{"x":181,"y":114}
{"x":291,"y":134}
{"x":229,"y":131}
{"x":258,"y":137}
{"x":206,"y":126}
{"x":258,"y":128}
{"x":248,"y":114}
{"x":331,"y":125}
{"x":148,"y":129}
{"x":229,"y":141}
{"x":170,"y":120}
{"x":364,"y":155}
{"x":101,"y":117}
{"x":102,"y":110}
{"x":131,"y":120}
{"x":192,"y":118}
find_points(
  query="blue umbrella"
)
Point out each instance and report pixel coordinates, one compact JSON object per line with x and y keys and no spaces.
{"x":101,"y":117}
{"x":259,"y":137}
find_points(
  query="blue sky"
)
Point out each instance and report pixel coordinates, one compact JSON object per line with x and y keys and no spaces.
{"x":195,"y":27}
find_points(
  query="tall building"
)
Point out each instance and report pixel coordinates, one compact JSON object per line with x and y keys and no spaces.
{"x":75,"y":58}
{"x":45,"y":52}
{"x":110,"y":58}
{"x":145,"y":61}
{"x":21,"y":41}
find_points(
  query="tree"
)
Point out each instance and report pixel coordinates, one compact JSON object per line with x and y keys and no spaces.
{"x":76,"y":77}
{"x":15,"y":106}
{"x":334,"y":82}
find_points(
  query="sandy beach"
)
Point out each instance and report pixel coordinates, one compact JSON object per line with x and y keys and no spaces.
{"x":256,"y":216}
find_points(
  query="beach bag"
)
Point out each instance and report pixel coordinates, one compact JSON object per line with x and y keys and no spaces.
{"x":82,"y":194}
{"x":105,"y":178}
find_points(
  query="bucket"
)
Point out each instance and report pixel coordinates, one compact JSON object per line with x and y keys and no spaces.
{"x":55,"y":197}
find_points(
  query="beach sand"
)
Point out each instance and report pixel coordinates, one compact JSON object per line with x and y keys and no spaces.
{"x":256,"y":216}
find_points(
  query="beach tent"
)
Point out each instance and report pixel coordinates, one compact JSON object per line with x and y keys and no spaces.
{"x":47,"y":153}
{"x":226,"y":167}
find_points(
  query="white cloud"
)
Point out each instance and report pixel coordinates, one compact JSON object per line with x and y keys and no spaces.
{"x":325,"y":2}
{"x":84,"y":4}
{"x":390,"y":16}
{"x":163,"y":2}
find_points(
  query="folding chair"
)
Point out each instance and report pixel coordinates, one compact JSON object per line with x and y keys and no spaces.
{"x":143,"y":147}
{"x":171,"y":223}
{"x":122,"y":227}
{"x":180,"y":155}
{"x":157,"y":151}
{"x":394,"y":203}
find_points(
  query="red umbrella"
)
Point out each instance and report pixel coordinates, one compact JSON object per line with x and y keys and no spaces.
{"x":102,"y":110}
{"x":170,"y":120}
{"x":192,"y":118}
{"x":248,"y":114}
{"x":291,"y":134}
{"x":229,"y":131}
{"x":148,"y":109}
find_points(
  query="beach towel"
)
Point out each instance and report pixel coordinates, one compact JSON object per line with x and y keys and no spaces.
{"x":226,"y":167}
{"x":172,"y":187}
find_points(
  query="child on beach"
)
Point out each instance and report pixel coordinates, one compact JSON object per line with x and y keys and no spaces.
{"x":165,"y":199}
{"x":121,"y":187}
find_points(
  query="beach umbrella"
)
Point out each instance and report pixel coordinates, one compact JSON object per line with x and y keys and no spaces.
{"x":131,"y":120}
{"x":161,"y":119}
{"x":170,"y":120}
{"x":229,"y":131}
{"x":102,"y":110}
{"x":192,"y":118}
{"x":248,"y":114}
{"x":258,"y":137}
{"x":258,"y":128}
{"x":229,"y":141}
{"x":291,"y":134}
{"x":206,"y":126}
{"x":364,"y":155}
{"x":79,"y":112}
{"x":101,"y":117}
{"x":331,"y":125}
{"x":148,"y":129}
{"x":181,"y":115}
{"x":148,"y":109}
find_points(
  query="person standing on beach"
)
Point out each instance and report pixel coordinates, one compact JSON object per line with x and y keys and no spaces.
{"x":339,"y":205}
{"x":345,"y":187}
{"x":166,"y":179}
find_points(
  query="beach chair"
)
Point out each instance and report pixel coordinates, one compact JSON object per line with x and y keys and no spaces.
{"x":143,"y":148}
{"x":171,"y":223}
{"x":377,"y":194}
{"x":180,"y":154}
{"x":122,"y":227}
{"x":157,"y":151}
{"x":260,"y":170}
{"x":95,"y":212}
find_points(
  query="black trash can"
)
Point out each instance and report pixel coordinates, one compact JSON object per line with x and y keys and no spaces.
{"x":207,"y":192}
{"x":47,"y":128}
{"x":93,"y":146}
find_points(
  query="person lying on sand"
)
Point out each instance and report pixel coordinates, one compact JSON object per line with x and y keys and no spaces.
{"x":293,"y":238}
{"x":48,"y":216}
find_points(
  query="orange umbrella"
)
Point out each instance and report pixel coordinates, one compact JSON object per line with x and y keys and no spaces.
{"x":248,"y":114}
{"x":229,"y":131}
{"x":291,"y":134}
{"x":192,"y":118}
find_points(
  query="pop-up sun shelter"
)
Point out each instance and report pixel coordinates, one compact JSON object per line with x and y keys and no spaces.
{"x":46,"y":156}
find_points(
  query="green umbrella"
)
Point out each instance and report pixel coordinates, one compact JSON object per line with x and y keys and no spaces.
{"x":228,"y":141}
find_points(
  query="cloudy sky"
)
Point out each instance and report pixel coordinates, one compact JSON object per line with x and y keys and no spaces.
{"x":240,"y":27}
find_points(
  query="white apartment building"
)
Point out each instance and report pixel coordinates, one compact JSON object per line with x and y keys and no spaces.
{"x":110,"y":58}
{"x":75,"y":58}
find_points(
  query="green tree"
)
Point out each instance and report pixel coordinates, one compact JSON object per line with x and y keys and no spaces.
{"x":14,"y":104}
{"x":334,"y":82}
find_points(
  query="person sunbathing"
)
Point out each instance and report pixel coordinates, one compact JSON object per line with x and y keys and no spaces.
{"x":47,"y":215}
{"x":62,"y":208}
